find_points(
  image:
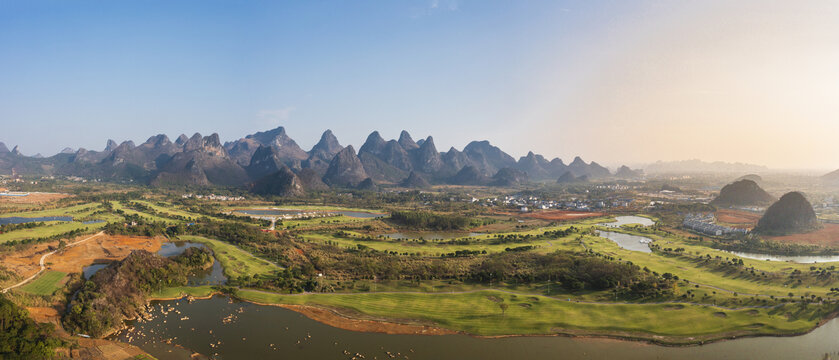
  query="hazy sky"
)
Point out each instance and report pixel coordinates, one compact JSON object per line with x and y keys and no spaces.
{"x":616,"y":82}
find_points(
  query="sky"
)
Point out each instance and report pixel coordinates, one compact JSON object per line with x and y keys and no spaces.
{"x":618,"y":82}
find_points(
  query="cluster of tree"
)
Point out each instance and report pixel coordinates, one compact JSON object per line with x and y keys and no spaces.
{"x":68,"y":234}
{"x":12,"y":227}
{"x":751,"y":243}
{"x":137,"y":225}
{"x":119,"y":291}
{"x":430,"y":220}
{"x":23,"y":338}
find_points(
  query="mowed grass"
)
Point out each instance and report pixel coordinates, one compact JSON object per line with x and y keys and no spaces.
{"x":235,"y":261}
{"x":480,"y":313}
{"x":46,"y":284}
{"x":438,"y":247}
{"x":49,"y":229}
{"x":74,"y":211}
{"x":147,"y":216}
{"x":686,"y":268}
{"x":172,"y":210}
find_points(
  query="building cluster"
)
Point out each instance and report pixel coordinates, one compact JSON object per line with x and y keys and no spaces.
{"x":528,"y":202}
{"x":213,"y":197}
{"x":704,"y":223}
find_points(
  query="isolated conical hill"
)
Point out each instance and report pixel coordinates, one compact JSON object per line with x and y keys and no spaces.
{"x":790,"y":214}
{"x":742,"y":193}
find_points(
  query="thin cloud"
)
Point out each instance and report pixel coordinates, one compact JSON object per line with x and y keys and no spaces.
{"x":275,"y":116}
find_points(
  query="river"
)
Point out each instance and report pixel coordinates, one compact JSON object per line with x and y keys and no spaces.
{"x":243,"y":330}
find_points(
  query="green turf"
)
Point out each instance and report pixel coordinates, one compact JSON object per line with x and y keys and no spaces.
{"x":235,"y":261}
{"x":49,"y":229}
{"x":479,"y":312}
{"x":46,"y":284}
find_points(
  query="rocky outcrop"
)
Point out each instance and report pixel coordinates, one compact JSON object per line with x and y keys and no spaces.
{"x":415,"y":181}
{"x":280,"y":183}
{"x":469,"y":175}
{"x":345,"y":169}
{"x":509,"y":177}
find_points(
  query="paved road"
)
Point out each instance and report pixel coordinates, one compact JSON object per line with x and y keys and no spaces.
{"x":43,"y":260}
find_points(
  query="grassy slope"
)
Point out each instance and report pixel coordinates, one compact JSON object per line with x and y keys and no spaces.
{"x":480,"y":313}
{"x":686,"y":269}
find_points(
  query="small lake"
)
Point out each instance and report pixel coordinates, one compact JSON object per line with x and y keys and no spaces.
{"x":241,"y":330}
{"x":802,"y":259}
{"x":170,"y":249}
{"x":89,"y":270}
{"x":626,"y":220}
{"x":629,"y":242}
{"x":23,"y":220}
{"x":211,"y":276}
{"x":431,"y":235}
{"x":287,"y":212}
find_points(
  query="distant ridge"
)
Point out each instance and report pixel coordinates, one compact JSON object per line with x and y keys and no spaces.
{"x":699,"y":166}
{"x":266,"y":160}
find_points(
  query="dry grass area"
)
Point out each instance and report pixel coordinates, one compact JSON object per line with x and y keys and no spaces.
{"x":826,"y":236}
{"x":104,"y":248}
{"x":737,"y":218}
{"x":33,"y":198}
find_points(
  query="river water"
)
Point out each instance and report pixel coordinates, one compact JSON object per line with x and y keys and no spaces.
{"x":242,"y":330}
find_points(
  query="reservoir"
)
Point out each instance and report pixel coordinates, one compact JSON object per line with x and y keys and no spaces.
{"x":23,"y":220}
{"x":629,"y":242}
{"x":241,"y":330}
{"x":625,"y":220}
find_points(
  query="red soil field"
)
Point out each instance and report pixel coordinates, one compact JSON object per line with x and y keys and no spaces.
{"x":826,"y":236}
{"x":555,"y":215}
{"x":737,"y":218}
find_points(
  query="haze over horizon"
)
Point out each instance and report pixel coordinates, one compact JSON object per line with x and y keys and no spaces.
{"x":613,"y":82}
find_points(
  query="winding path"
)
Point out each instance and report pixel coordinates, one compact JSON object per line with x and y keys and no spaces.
{"x":44,"y":258}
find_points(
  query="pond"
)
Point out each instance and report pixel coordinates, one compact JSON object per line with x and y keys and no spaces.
{"x":89,"y":270}
{"x":431,"y":235}
{"x":625,"y":220}
{"x":629,"y":242}
{"x":211,"y":276}
{"x":803,"y":259}
{"x":289,"y":212}
{"x":240,"y":330}
{"x":170,"y":249}
{"x":23,"y":220}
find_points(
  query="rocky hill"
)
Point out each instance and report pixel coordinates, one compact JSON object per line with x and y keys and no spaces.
{"x":789,"y":215}
{"x":254,"y":159}
{"x":742,"y":193}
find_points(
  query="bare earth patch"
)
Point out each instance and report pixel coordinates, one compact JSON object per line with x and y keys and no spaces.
{"x":737,"y":218}
{"x":103,"y":249}
{"x":556,"y":215}
{"x":826,"y":236}
{"x":335,"y":319}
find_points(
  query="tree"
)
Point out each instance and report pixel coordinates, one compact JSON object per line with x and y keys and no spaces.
{"x":504,"y":306}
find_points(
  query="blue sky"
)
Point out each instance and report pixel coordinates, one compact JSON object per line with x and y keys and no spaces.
{"x":525,"y":75}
